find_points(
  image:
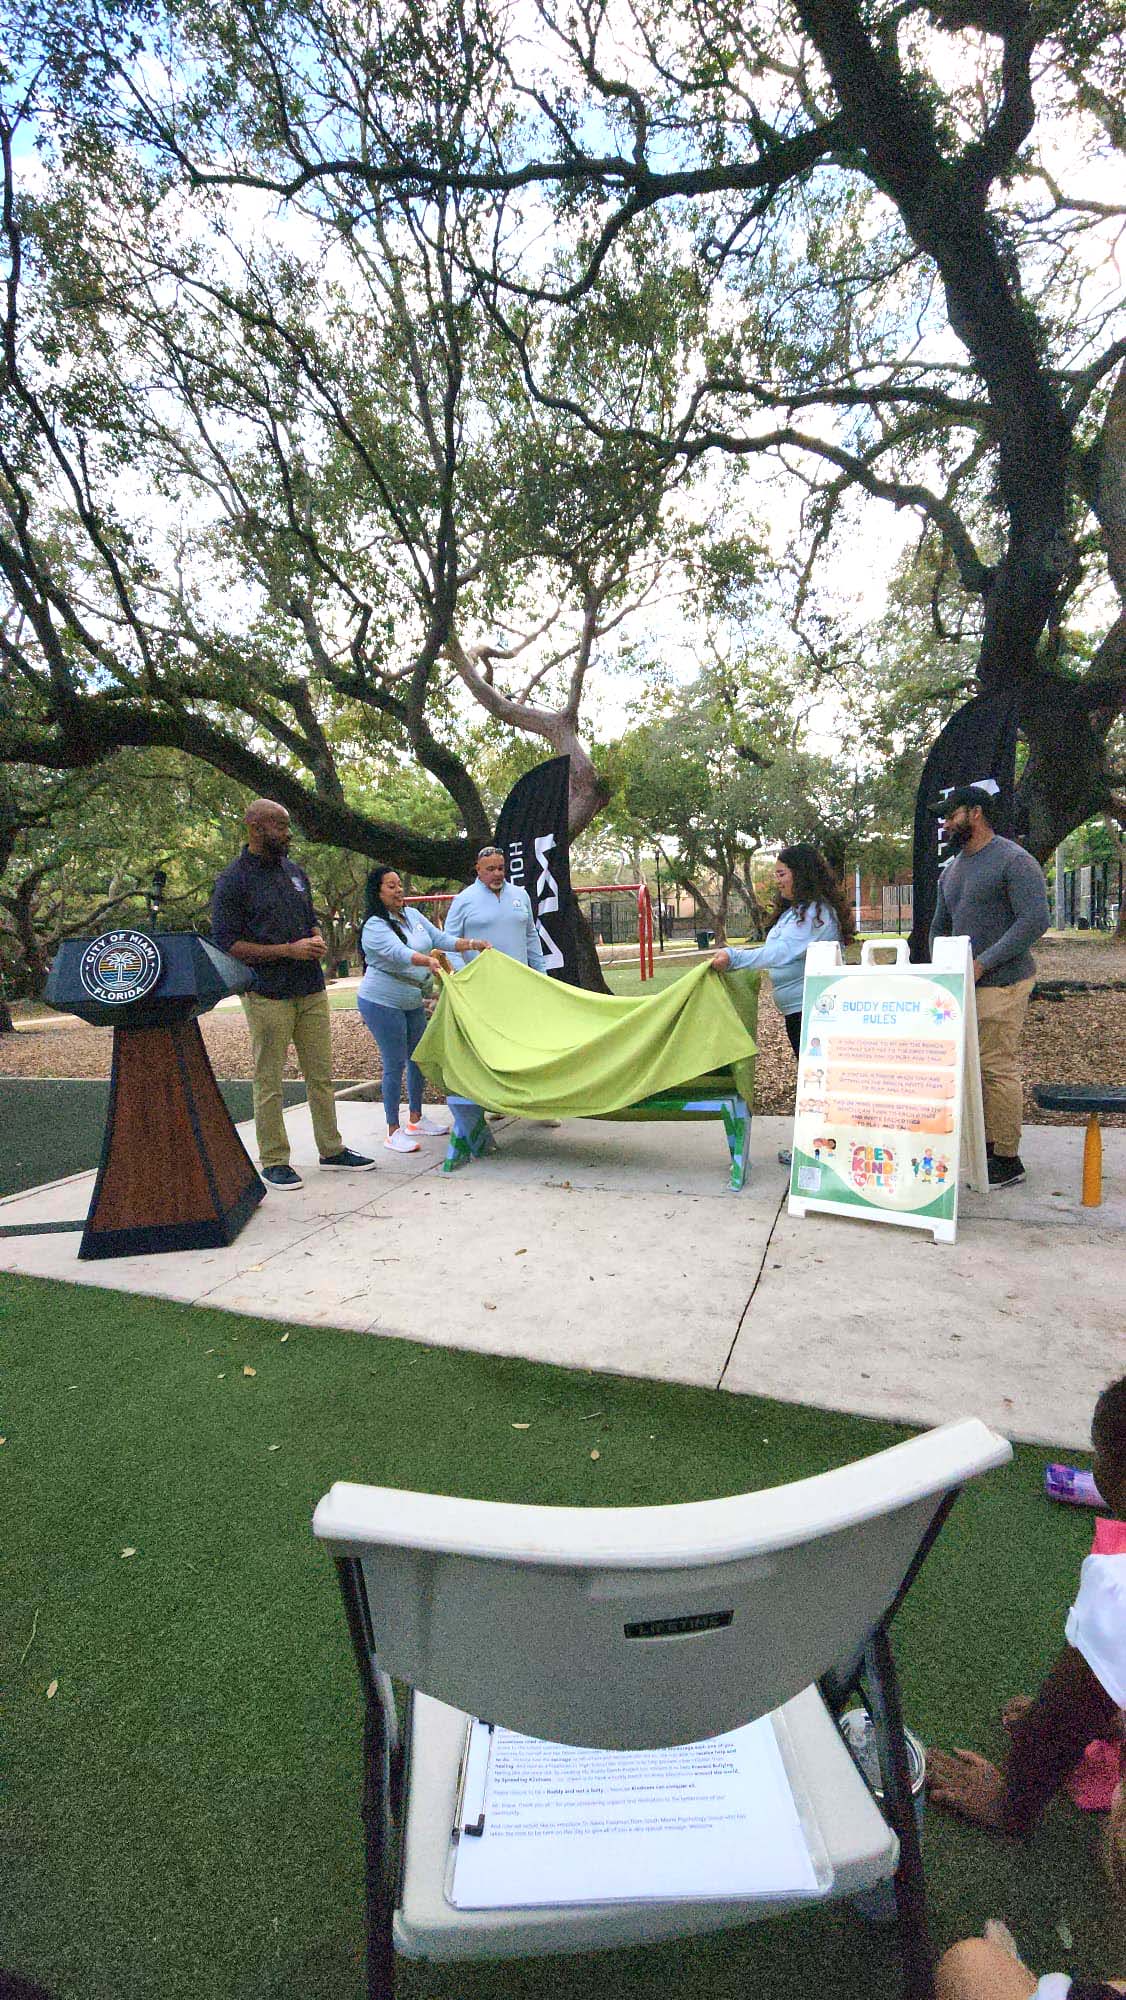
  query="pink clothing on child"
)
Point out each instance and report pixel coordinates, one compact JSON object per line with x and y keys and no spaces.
{"x":1110,"y":1537}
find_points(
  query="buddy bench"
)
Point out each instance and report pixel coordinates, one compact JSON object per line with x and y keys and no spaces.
{"x":719,"y":1091}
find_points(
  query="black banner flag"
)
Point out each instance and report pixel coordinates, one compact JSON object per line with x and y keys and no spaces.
{"x":532,"y":834}
{"x":977,"y":747}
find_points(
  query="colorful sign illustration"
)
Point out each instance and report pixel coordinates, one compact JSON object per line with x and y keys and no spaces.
{"x":878,"y":1118}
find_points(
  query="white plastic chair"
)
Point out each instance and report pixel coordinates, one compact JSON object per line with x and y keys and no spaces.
{"x":529,"y":1617}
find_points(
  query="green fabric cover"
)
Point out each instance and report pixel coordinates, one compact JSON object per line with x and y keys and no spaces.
{"x":514,"y":1041}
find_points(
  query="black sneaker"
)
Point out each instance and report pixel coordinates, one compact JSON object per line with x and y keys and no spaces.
{"x":357,"y":1163}
{"x":1006,"y":1170}
{"x":785,"y":1157}
{"x":281,"y":1177}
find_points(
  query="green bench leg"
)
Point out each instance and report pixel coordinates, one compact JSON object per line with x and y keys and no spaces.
{"x":737,"y":1125}
{"x":476,"y":1145}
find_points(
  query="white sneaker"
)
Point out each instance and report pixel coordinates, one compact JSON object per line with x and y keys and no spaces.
{"x":399,"y":1142}
{"x":425,"y":1128}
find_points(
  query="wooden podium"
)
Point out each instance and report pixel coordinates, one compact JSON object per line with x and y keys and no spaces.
{"x":174,"y":1174}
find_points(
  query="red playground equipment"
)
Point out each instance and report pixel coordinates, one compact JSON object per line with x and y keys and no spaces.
{"x":644,"y":915}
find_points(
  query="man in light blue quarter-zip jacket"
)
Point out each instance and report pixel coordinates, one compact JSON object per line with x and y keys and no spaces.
{"x":495,"y":909}
{"x":501,"y":913}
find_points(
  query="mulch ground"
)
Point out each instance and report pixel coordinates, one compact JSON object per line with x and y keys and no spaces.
{"x":1079,"y":1038}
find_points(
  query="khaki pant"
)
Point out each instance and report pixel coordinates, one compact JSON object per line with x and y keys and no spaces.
{"x":273,"y":1025}
{"x":1000,"y":1018}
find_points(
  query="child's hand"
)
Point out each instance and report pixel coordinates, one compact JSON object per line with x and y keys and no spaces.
{"x":969,"y":1785}
{"x":1015,"y":1711}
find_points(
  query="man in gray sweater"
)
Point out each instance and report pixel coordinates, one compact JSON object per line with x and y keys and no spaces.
{"x":993,"y":893}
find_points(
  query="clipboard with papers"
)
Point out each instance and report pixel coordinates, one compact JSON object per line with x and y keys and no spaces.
{"x":540,"y":1823}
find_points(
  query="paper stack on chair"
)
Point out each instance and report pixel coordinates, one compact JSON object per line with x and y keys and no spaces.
{"x":540,"y":1823}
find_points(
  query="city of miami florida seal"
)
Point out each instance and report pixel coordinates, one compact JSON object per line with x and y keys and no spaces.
{"x":120,"y":966}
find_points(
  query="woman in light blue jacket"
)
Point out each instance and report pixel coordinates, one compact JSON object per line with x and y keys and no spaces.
{"x":810,"y":905}
{"x":398,"y":946}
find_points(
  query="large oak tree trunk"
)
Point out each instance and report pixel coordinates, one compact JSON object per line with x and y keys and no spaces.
{"x":1066,"y":723}
{"x":1064,"y":781}
{"x":946,"y":214}
{"x":587,"y":962}
{"x":587,"y":794}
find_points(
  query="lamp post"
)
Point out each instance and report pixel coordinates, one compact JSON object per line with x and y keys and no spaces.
{"x":156,"y":896}
{"x":660,"y":905}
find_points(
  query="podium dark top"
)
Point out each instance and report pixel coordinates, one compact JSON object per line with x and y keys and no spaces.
{"x":127,"y":979}
{"x":258,"y":900}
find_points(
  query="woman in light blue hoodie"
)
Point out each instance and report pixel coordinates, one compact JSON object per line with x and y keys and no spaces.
{"x":810,"y":906}
{"x":398,"y":946}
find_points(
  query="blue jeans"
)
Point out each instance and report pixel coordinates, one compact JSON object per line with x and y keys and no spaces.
{"x":398,"y":1034}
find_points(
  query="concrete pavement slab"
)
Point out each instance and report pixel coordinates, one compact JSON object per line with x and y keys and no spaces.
{"x":581,"y":1277}
{"x":56,"y":1201}
{"x":281,"y":1221}
{"x":1019,"y":1324}
{"x":1053,"y":1156}
{"x":640,"y":1157}
{"x":652,"y":1258}
{"x":620,"y":1247}
{"x":188,"y":1276}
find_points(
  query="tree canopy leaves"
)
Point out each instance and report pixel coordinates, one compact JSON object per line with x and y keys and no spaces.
{"x":359,"y":360}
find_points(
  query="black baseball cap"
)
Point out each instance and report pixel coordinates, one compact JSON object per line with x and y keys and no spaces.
{"x":964,"y":795}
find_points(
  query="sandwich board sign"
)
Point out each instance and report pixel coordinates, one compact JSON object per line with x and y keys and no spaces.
{"x":889,"y":1117}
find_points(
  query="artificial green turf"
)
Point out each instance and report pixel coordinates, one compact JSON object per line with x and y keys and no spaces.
{"x":53,"y":1126}
{"x":183,"y":1815}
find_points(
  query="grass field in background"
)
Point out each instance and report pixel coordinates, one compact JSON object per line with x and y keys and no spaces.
{"x":183,"y":1812}
{"x":626,"y":978}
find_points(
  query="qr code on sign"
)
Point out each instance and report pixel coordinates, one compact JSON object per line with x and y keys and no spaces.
{"x":809,"y":1180}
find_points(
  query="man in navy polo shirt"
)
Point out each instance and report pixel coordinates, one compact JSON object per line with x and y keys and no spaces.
{"x":262,"y":913}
